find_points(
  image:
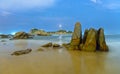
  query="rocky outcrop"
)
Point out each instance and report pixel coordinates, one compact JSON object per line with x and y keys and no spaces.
{"x":21,"y":52}
{"x":92,"y":40}
{"x":101,"y":40}
{"x":60,"y":32}
{"x":76,"y":37}
{"x":39,"y":32}
{"x":21,"y":35}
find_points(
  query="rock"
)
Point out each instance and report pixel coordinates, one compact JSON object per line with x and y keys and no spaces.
{"x":76,"y":37}
{"x":73,"y":47}
{"x":21,"y":35}
{"x":5,"y":36}
{"x":21,"y":52}
{"x":93,"y":40}
{"x":67,"y":45}
{"x":90,"y":42}
{"x":101,"y":41}
{"x":56,"y":45}
{"x":81,"y":46}
{"x":47,"y":45}
{"x":60,"y":32}
{"x":40,"y":49}
{"x":39,"y":32}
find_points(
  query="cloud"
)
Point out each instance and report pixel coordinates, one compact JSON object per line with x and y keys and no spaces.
{"x":5,"y":13}
{"x":107,"y":4}
{"x":112,"y":6}
{"x":94,"y":1}
{"x":25,"y":4}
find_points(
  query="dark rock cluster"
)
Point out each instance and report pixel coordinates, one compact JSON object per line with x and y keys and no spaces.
{"x":92,"y":40}
{"x":50,"y":44}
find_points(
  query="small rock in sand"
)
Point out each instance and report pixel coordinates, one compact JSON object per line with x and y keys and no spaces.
{"x":56,"y":45}
{"x":40,"y":49}
{"x":47,"y":45}
{"x":21,"y":52}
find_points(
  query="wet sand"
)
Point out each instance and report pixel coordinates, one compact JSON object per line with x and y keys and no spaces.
{"x":57,"y":61}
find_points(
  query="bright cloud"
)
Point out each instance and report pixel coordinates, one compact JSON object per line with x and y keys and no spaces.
{"x":25,"y":4}
{"x":94,"y":1}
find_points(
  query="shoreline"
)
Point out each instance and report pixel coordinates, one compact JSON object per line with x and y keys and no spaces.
{"x":8,"y":45}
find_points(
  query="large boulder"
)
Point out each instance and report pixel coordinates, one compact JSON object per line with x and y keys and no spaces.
{"x":76,"y":37}
{"x":90,"y":42}
{"x":101,"y":41}
{"x":21,"y":35}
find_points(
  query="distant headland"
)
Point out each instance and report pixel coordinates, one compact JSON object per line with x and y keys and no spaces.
{"x":34,"y":32}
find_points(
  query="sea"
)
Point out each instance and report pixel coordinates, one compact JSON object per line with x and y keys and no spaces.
{"x":113,"y":41}
{"x":56,"y":38}
{"x":67,"y":38}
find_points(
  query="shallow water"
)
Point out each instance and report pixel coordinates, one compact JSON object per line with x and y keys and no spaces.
{"x":57,"y":61}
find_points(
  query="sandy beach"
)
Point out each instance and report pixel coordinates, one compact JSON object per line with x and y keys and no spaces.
{"x":59,"y":36}
{"x":57,"y":61}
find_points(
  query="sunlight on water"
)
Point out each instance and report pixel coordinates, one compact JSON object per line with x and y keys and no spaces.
{"x":60,"y":35}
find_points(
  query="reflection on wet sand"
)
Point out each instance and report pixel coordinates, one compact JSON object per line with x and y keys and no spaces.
{"x":88,"y":62}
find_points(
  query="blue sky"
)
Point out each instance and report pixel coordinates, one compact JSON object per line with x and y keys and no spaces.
{"x":22,"y":15}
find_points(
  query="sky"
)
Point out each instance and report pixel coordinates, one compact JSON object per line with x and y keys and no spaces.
{"x":23,"y":15}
